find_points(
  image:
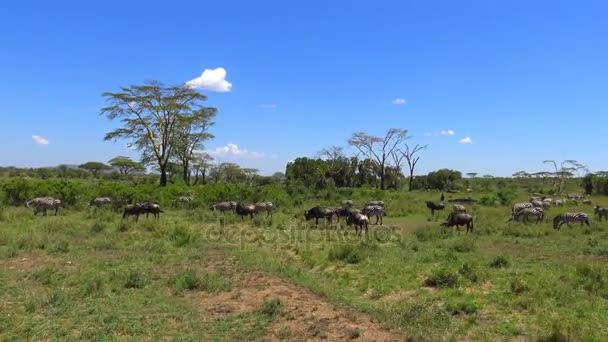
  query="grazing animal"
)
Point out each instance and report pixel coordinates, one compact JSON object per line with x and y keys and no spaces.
{"x":442,"y":198}
{"x":347,"y":204}
{"x":268,"y":207}
{"x":345,"y":212}
{"x":462,"y":200}
{"x":378,"y":203}
{"x":434,"y":206}
{"x":151,"y":208}
{"x":568,"y":218}
{"x":575,"y":197}
{"x":183,"y":201}
{"x":374,"y":210}
{"x":245,"y":210}
{"x":459,"y":219}
{"x":559,"y":203}
{"x":527,"y":213}
{"x":319,"y":212}
{"x":601,"y":212}
{"x":519,"y":206}
{"x":537,"y":203}
{"x":223,"y":207}
{"x":359,"y":220}
{"x":535,"y":198}
{"x":133,"y":210}
{"x":587,"y":201}
{"x":100,"y":202}
{"x":459,"y":208}
{"x":42,"y":204}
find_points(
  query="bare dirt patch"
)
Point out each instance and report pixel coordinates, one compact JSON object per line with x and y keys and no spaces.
{"x":31,"y":262}
{"x":303,"y":316}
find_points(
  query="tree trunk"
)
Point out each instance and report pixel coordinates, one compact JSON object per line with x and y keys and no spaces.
{"x":382,"y":178}
{"x":186,"y":174}
{"x":163,"y":177}
{"x":411,"y":180}
{"x":203,"y":174}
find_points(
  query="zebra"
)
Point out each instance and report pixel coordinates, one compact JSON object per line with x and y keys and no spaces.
{"x":268,"y":207}
{"x":459,"y":208}
{"x":519,"y":206}
{"x":537,"y":204}
{"x":601,"y":212}
{"x":222,"y":207}
{"x":378,"y":203}
{"x":374,"y":210}
{"x":535,"y":198}
{"x":100,"y":202}
{"x":568,"y":218}
{"x":527,"y":213}
{"x":183,"y":200}
{"x":559,"y":203}
{"x":42,"y":204}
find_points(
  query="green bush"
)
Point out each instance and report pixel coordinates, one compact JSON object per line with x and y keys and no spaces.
{"x":442,"y":278}
{"x":347,"y":253}
{"x":500,"y":262}
{"x":187,"y":280}
{"x":135,"y":280}
{"x":519,"y":286}
{"x":270,"y":308}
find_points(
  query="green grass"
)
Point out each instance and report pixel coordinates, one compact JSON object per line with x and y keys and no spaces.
{"x":84,"y":276}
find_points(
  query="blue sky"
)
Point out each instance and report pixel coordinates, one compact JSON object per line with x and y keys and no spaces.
{"x":524,"y":80}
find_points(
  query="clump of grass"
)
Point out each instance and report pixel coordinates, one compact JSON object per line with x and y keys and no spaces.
{"x":47,"y":276}
{"x":94,"y":286}
{"x":469,"y":272}
{"x":97,"y":227}
{"x":123,"y":226}
{"x":519,"y":286}
{"x":442,"y":278}
{"x":135,"y":280}
{"x":500,"y":262}
{"x":61,"y":247}
{"x":556,"y":335}
{"x":462,"y":308}
{"x":270,"y":308}
{"x":347,"y":253}
{"x":354,"y":333}
{"x":424,"y":321}
{"x":182,"y":236}
{"x":464,"y":246}
{"x":592,"y":280}
{"x":187,"y":280}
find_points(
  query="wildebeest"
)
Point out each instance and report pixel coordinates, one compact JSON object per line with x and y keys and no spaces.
{"x":434,"y":206}
{"x":268,"y":207}
{"x":459,"y":208}
{"x":345,"y":212}
{"x":183,"y":201}
{"x":601,"y":212}
{"x":378,"y":203}
{"x":133,"y":210}
{"x":359,"y":220}
{"x":223,"y":207}
{"x":100,"y":202}
{"x":374,"y":210}
{"x":459,"y":219}
{"x":42,"y":204}
{"x":568,"y":218}
{"x":245,"y":210}
{"x":319,"y":212}
{"x":152,"y":208}
{"x":527,"y":213}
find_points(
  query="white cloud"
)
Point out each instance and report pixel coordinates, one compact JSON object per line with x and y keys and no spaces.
{"x":268,"y":105}
{"x":466,"y":140}
{"x":399,"y":101}
{"x":233,"y":150}
{"x":211,"y":79}
{"x":447,"y":132}
{"x":40,"y":140}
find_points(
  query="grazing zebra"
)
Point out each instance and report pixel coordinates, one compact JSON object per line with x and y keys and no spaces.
{"x":459,"y":208}
{"x":537,"y":204}
{"x":527,"y":213}
{"x":42,"y":204}
{"x":434,"y":206}
{"x":568,"y":218}
{"x":535,"y":198}
{"x":100,"y":202}
{"x":378,"y":203}
{"x":519,"y":206}
{"x":360,"y":221}
{"x":374,"y":210}
{"x":601,"y":212}
{"x":268,"y":207}
{"x":222,"y":207}
{"x":183,"y":201}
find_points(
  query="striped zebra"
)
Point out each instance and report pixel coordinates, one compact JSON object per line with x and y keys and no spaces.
{"x":183,"y":201}
{"x":568,"y":218}
{"x":42,"y":204}
{"x":100,"y":202}
{"x":223,"y":207}
{"x":601,"y":212}
{"x":520,"y":206}
{"x":268,"y":207}
{"x":527,"y":213}
{"x":378,"y":203}
{"x":537,"y":204}
{"x":374,"y":210}
{"x":459,"y":208}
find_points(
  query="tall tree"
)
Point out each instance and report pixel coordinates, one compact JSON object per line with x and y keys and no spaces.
{"x":201,"y":162}
{"x":565,"y":170}
{"x":191,"y":133}
{"x":125,"y":165}
{"x":412,"y":157}
{"x":94,"y":167}
{"x":150,"y":115}
{"x":379,"y":149}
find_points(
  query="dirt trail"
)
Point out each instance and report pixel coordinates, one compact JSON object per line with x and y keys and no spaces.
{"x":304,"y":316}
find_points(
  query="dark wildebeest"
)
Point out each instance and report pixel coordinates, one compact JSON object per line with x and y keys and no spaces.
{"x":374,"y":210}
{"x":319,"y":212}
{"x":345,"y":212}
{"x":245,"y":210}
{"x":601,"y":212}
{"x":359,"y":220}
{"x":133,"y":210}
{"x":268,"y":207}
{"x":434,"y":206}
{"x":458,"y":219}
{"x":223,"y":207}
{"x":152,"y":208}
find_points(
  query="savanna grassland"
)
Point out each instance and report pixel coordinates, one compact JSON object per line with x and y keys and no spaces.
{"x":196,"y":275}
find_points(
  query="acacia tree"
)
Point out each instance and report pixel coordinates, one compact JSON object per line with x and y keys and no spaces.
{"x":565,"y":170}
{"x":201,"y":162}
{"x":379,"y":149}
{"x":125,"y":165}
{"x":150,"y":115}
{"x":94,"y":167}
{"x":411,"y":156}
{"x":190,"y":134}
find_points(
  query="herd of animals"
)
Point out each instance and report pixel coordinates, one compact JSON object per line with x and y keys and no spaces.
{"x":533,"y":210}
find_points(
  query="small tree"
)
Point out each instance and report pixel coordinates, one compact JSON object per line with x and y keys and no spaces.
{"x":125,"y":165}
{"x":565,"y":170}
{"x":201,"y":162}
{"x":192,"y":131}
{"x":411,"y":157}
{"x":94,"y":167}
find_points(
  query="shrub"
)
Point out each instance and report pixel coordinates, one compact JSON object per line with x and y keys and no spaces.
{"x":462,"y":308}
{"x":135,"y":280}
{"x":347,"y":253}
{"x":98,"y":227}
{"x":464,"y":246}
{"x":518,"y":286}
{"x":500,"y":262}
{"x":270,"y":308}
{"x":469,"y":272}
{"x":182,"y":236}
{"x":442,"y":278}
{"x":60,"y":247}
